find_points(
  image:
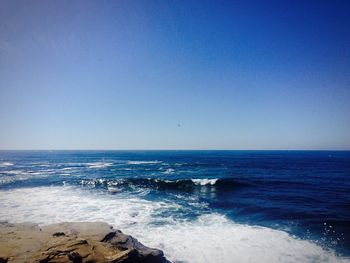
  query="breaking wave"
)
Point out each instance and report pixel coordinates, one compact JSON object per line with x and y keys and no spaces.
{"x":162,"y":184}
{"x":210,"y":237}
{"x":204,"y":181}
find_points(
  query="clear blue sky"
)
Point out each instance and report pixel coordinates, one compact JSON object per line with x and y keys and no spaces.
{"x":174,"y":74}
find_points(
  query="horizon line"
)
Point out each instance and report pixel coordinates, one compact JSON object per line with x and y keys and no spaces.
{"x":305,"y":150}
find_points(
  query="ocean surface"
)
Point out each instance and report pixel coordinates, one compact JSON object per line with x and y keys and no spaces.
{"x":197,"y":206}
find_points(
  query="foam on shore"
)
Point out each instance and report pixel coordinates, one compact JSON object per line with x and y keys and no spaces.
{"x":209,"y":238}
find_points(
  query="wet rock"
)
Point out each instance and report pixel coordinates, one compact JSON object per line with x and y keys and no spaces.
{"x":75,"y":257}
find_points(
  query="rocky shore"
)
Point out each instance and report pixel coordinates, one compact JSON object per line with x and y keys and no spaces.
{"x":72,"y":242}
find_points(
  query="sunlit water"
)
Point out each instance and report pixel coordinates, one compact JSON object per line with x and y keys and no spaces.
{"x":197,"y":206}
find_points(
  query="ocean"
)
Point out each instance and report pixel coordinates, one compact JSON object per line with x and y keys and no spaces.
{"x":197,"y":206}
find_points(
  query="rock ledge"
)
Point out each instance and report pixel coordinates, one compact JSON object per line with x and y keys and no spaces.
{"x":92,"y":242}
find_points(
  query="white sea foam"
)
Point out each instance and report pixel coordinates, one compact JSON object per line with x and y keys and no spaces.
{"x":6,"y":180}
{"x":99,"y":181}
{"x":98,"y":165}
{"x":13,"y":172}
{"x":169,"y":171}
{"x":5,"y":164}
{"x":204,"y":181}
{"x":143,"y":162}
{"x":210,"y":238}
{"x":20,"y":175}
{"x":67,"y":168}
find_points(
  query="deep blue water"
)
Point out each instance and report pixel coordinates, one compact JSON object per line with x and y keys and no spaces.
{"x":306,"y":193}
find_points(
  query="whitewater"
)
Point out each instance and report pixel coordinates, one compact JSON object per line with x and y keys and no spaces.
{"x":195,"y":206}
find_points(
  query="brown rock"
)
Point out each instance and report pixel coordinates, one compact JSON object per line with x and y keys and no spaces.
{"x":72,"y":242}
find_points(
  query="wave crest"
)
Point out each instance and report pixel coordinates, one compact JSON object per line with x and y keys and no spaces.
{"x":98,"y":165}
{"x":143,"y":162}
{"x":204,"y":181}
{"x":163,"y":184}
{"x":5,"y":164}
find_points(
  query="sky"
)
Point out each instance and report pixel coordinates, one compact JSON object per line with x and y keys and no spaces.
{"x":175,"y":75}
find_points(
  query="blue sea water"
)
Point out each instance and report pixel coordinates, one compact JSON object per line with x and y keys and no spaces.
{"x":287,"y":206}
